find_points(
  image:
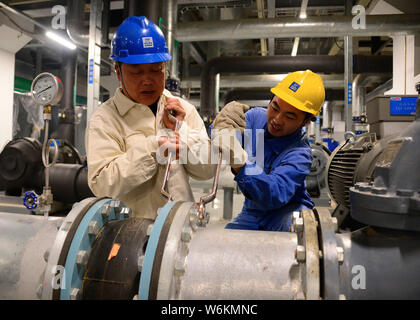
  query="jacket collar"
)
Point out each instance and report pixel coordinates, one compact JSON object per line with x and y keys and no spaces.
{"x":282,"y":141}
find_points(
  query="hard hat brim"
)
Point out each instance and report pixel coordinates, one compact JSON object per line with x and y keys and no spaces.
{"x":292,"y":101}
{"x":144,"y":58}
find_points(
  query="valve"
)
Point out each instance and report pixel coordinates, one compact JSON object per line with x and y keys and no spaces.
{"x":30,"y":200}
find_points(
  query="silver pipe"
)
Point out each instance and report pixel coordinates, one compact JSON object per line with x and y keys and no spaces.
{"x":77,"y":32}
{"x":379,"y":91}
{"x":39,"y":36}
{"x":360,"y":82}
{"x":312,"y":27}
{"x":169,"y":27}
{"x":334,"y":81}
{"x":348,"y":80}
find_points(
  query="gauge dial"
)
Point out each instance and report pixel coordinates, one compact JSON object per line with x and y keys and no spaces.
{"x":47,"y":89}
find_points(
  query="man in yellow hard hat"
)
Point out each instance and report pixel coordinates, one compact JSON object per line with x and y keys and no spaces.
{"x":278,"y":188}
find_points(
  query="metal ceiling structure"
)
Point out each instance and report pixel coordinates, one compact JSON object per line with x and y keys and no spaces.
{"x":38,"y":55}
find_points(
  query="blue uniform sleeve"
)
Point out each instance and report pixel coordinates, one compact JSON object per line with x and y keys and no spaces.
{"x":276,"y":188}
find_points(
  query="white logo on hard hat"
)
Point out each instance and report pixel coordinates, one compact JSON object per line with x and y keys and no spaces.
{"x":147,"y":42}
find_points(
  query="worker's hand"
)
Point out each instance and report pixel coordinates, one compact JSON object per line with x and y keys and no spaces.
{"x":171,"y":144}
{"x":173,"y":105}
{"x":232,"y":116}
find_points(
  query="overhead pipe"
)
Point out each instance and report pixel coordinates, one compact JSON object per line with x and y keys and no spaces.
{"x":265,"y":94}
{"x":151,"y":9}
{"x":76,"y":30}
{"x":278,"y":64}
{"x":360,"y":82}
{"x":168,"y":26}
{"x":259,"y":81}
{"x":66,"y":128}
{"x":285,"y":27}
{"x":379,"y":91}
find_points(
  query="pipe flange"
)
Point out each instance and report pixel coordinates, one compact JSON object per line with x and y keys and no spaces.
{"x":70,"y":251}
{"x":165,"y":258}
{"x":332,"y":256}
{"x":307,"y":252}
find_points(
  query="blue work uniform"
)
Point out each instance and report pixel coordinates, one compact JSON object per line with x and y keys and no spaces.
{"x":278,"y":188}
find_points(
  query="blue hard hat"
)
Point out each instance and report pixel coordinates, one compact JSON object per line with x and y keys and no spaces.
{"x":138,"y":40}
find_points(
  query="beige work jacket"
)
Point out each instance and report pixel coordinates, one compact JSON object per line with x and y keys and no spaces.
{"x":121,"y":147}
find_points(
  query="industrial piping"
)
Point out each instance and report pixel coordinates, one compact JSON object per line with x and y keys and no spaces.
{"x":65,"y":129}
{"x":278,"y":64}
{"x":312,"y":27}
{"x":265,"y":94}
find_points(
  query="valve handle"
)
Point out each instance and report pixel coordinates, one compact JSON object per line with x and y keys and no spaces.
{"x":30,"y":200}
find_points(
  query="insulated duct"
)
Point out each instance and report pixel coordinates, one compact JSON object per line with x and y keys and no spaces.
{"x":265,"y":94}
{"x":285,"y":27}
{"x":278,"y":64}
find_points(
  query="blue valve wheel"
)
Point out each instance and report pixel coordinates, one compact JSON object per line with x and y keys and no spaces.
{"x":30,"y":200}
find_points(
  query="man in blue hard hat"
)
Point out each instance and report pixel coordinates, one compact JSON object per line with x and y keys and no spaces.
{"x":123,"y":137}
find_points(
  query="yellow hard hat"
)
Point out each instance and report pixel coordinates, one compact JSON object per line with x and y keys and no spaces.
{"x":302,"y":89}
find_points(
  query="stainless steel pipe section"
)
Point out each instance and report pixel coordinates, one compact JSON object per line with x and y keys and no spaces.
{"x":24,"y":243}
{"x":241,"y":264}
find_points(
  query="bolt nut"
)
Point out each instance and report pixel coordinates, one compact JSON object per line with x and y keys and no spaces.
{"x":140,"y":262}
{"x":149,"y":229}
{"x":300,"y":253}
{"x":186,"y":234}
{"x":75,"y":294}
{"x":106,"y":211}
{"x":335,"y":223}
{"x":298,"y":225}
{"x":378,"y":190}
{"x":93,"y":228}
{"x":405,"y":192}
{"x":82,"y":258}
{"x":180,"y":267}
{"x":126,"y":212}
{"x":365,"y":187}
{"x":340,"y":254}
{"x":295,"y":215}
{"x":116,"y":205}
{"x":46,"y":255}
{"x":193,"y":220}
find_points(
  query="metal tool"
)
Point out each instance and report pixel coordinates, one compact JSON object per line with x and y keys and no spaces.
{"x":164,"y":192}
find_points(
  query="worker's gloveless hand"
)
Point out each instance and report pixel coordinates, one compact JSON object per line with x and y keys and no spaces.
{"x":172,"y":104}
{"x":232,"y":116}
{"x":171,"y":144}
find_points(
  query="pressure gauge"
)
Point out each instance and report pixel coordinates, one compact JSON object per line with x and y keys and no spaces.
{"x":47,"y":89}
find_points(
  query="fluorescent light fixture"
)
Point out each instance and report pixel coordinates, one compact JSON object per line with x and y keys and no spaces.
{"x":61,"y":40}
{"x":295,"y":47}
{"x":303,"y":9}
